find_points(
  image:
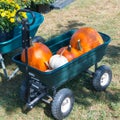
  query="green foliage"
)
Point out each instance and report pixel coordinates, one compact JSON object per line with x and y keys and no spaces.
{"x":28,"y":2}
{"x":43,"y":1}
{"x":8,"y":11}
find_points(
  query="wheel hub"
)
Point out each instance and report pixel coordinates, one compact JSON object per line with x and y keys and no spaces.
{"x":65,"y":106}
{"x":104,"y":79}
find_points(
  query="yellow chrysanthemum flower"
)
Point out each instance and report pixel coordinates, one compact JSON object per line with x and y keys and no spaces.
{"x":8,"y":9}
{"x":17,"y":6}
{"x":12,"y":20}
{"x":3,"y":14}
{"x":12,"y":14}
{"x":24,"y":15}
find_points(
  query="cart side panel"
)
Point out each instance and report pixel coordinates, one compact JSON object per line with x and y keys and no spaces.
{"x":68,"y":71}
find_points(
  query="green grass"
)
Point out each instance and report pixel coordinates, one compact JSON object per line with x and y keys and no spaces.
{"x":89,"y":104}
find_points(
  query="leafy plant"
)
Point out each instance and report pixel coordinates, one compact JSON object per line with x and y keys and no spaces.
{"x":28,"y":2}
{"x":8,"y":9}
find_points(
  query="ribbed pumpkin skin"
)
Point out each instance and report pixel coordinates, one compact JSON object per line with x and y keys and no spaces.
{"x":89,"y":39}
{"x":57,"y":61}
{"x":70,"y":55}
{"x":38,"y":55}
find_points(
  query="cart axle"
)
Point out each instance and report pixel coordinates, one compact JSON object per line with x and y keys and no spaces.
{"x":31,"y":104}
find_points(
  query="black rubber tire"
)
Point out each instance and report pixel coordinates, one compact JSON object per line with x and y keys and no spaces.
{"x":102,"y":78}
{"x":56,"y":106}
{"x":23,"y":91}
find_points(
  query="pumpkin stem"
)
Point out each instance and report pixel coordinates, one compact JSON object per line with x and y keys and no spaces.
{"x":46,"y":63}
{"x":69,"y":48}
{"x":79,"y":45}
{"x":62,"y":52}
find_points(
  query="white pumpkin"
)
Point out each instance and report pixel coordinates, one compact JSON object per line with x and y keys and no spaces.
{"x":57,"y":61}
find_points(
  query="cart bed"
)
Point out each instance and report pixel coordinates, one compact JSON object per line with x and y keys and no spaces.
{"x":68,"y":71}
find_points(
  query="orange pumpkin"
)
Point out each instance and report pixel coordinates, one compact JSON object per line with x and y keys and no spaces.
{"x":69,"y":52}
{"x":38,"y":55}
{"x":89,"y":38}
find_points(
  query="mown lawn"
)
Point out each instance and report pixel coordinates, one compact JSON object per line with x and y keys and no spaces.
{"x":89,"y":104}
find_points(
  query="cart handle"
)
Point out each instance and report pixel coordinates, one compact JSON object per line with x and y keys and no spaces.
{"x":27,"y":11}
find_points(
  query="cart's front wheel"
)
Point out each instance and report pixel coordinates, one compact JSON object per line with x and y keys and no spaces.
{"x":62,"y":103}
{"x":102,"y":78}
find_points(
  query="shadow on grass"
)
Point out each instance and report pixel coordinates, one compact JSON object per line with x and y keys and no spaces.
{"x":9,"y":94}
{"x":73,"y":24}
{"x":113,"y":54}
{"x":8,"y":57}
{"x":83,"y":91}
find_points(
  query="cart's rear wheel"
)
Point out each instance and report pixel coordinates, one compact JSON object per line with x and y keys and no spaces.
{"x":62,"y":103}
{"x":102,"y":78}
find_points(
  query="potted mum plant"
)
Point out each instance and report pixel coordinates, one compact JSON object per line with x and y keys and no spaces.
{"x":41,"y":6}
{"x":8,"y":9}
